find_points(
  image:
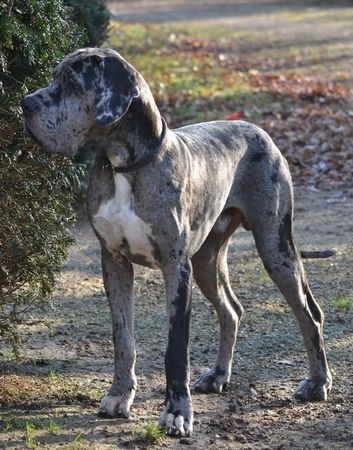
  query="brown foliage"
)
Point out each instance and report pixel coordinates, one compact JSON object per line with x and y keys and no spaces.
{"x":312,"y":125}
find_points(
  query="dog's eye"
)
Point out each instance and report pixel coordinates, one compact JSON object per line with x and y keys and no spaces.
{"x":74,"y":85}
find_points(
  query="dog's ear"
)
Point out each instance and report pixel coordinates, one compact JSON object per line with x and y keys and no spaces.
{"x":116,"y":89}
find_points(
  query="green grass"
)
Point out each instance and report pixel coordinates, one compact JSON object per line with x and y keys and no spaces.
{"x":342,"y":304}
{"x":53,"y":376}
{"x":52,"y":427}
{"x":30,"y":440}
{"x":149,"y":434}
{"x":8,"y":425}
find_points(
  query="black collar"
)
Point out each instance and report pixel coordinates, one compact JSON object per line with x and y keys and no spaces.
{"x":153,"y":151}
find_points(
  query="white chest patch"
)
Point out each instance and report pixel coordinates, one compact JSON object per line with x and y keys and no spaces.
{"x":116,"y":221}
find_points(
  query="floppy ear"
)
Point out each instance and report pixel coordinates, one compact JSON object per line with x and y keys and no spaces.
{"x":116,"y":89}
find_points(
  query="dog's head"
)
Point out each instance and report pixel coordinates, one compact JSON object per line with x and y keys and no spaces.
{"x":90,"y":87}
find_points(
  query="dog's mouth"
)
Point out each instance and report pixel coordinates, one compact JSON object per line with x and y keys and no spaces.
{"x":33,"y":137}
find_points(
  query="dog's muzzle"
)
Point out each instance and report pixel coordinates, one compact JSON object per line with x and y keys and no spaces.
{"x":29,"y":105}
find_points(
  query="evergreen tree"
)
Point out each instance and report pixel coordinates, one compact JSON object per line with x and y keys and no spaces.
{"x":36,"y":189}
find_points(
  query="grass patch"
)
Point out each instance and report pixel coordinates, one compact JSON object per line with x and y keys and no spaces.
{"x":29,"y":435}
{"x":342,"y":304}
{"x":149,"y":434}
{"x":52,"y":427}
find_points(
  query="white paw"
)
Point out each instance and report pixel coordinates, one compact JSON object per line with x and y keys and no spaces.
{"x":213,"y":380}
{"x":313,"y":390}
{"x":177,"y":417}
{"x":116,"y":405}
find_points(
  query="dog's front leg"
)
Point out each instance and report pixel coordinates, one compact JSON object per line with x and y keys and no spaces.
{"x":177,"y":415}
{"x":118,"y":282}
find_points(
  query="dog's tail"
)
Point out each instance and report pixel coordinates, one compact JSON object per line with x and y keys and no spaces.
{"x":309,"y":254}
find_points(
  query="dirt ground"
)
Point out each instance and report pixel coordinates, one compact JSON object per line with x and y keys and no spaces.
{"x":68,"y":368}
{"x":50,"y":398}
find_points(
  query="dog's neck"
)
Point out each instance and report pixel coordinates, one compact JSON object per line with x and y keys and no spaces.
{"x":135,"y":135}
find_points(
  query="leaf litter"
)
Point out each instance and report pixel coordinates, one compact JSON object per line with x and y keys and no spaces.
{"x":309,"y":119}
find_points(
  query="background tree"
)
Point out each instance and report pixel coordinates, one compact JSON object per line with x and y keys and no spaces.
{"x":95,"y":17}
{"x":36,"y":189}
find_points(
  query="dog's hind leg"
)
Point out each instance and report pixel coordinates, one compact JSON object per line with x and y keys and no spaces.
{"x":211,"y":274}
{"x":274,"y":240}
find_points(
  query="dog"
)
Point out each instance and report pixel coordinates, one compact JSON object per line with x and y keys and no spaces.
{"x":171,"y":200}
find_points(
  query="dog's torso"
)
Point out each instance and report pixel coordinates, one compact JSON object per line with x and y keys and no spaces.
{"x":192,"y":181}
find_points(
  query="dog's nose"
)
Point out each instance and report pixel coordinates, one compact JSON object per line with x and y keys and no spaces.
{"x":29,"y":104}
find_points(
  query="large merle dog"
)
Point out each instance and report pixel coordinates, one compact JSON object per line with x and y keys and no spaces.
{"x":171,"y":200}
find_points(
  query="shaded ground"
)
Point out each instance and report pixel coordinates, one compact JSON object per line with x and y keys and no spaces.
{"x":50,"y":398}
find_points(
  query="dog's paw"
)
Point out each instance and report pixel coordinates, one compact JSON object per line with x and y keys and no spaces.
{"x":313,"y":390}
{"x":113,"y":406}
{"x":213,"y":380}
{"x":177,"y":417}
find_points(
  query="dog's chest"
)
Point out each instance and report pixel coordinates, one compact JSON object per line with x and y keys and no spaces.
{"x":117,"y":223}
